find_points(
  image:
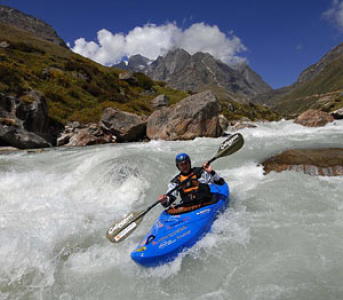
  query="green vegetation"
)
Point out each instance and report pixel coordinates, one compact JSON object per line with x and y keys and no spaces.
{"x":236,"y":107}
{"x":75,"y":88}
{"x":323,"y":92}
{"x":174,"y":96}
{"x":233,"y":110}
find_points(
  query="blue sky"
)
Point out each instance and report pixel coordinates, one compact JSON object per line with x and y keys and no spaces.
{"x":278,"y":38}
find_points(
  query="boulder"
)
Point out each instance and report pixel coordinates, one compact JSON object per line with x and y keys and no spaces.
{"x":223,"y":122}
{"x":85,"y":138}
{"x":195,"y":116}
{"x":313,"y":118}
{"x":75,"y":124}
{"x":328,"y":162}
{"x":84,"y":135}
{"x":34,"y":112}
{"x":25,"y":122}
{"x":241,"y":125}
{"x":127,"y":76}
{"x":20,"y":138}
{"x":8,"y":149}
{"x":127,"y":127}
{"x":7,"y":106}
{"x":4,"y":44}
{"x":64,"y":138}
{"x":337,"y":114}
{"x":160,"y":101}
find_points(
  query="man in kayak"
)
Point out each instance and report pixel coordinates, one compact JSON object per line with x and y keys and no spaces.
{"x":196,"y":191}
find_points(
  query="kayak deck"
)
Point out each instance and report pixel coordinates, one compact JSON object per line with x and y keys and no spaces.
{"x":171,"y":234}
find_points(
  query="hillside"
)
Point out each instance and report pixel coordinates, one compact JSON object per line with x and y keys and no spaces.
{"x":75,"y":87}
{"x":318,"y":87}
{"x":37,"y":27}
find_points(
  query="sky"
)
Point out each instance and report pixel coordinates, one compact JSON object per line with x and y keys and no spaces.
{"x":277,"y":38}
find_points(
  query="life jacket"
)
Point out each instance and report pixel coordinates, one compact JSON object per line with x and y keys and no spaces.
{"x":192,"y":192}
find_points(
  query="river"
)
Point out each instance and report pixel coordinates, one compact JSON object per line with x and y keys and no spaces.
{"x":281,"y":237}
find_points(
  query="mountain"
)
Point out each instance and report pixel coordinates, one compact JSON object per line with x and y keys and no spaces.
{"x":320,"y":86}
{"x":315,"y":69}
{"x":76,"y":88}
{"x":135,"y":63}
{"x":199,"y":71}
{"x":37,"y":27}
{"x":255,"y":80}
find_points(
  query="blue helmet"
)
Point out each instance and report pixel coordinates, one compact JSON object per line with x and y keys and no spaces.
{"x":182,"y":157}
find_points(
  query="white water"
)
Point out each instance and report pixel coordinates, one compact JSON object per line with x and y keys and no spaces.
{"x":281,"y":238}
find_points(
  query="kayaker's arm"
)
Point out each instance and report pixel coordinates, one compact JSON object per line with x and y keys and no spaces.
{"x":210,"y":176}
{"x":169,"y":200}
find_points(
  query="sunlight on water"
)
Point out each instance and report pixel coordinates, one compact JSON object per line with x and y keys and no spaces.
{"x":279,"y":239}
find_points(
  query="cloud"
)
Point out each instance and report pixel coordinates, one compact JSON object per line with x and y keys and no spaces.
{"x":335,"y":14}
{"x":152,"y":40}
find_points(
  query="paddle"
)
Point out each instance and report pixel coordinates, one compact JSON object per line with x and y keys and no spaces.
{"x":121,"y":229}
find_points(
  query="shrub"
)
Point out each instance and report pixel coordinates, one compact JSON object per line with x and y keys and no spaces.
{"x":28,"y":48}
{"x":118,"y":98}
{"x":54,"y":97}
{"x":74,"y":94}
{"x":161,"y":83}
{"x":144,"y":81}
{"x":88,"y":69}
{"x":12,"y":80}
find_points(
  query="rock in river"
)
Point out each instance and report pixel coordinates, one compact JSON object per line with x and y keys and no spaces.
{"x":314,"y":118}
{"x":326,"y":162}
{"x":195,"y":116}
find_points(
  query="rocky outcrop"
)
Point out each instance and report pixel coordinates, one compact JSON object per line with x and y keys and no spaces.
{"x":135,"y":63}
{"x":193,"y":117}
{"x":160,"y":101}
{"x":326,"y":162}
{"x":241,"y":124}
{"x":127,"y":127}
{"x":315,"y":69}
{"x":24,"y":122}
{"x":28,"y":23}
{"x":195,"y":72}
{"x":223,"y":122}
{"x":127,"y":76}
{"x":77,"y":135}
{"x":313,"y":118}
{"x":337,"y":114}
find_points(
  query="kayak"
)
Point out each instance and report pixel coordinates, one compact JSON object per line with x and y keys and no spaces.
{"x":172,"y":234}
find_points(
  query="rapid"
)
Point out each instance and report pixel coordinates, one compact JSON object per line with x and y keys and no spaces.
{"x":281,"y":237}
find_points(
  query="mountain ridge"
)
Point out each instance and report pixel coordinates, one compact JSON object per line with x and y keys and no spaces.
{"x":320,"y":86}
{"x":181,"y":70}
{"x":39,"y":28}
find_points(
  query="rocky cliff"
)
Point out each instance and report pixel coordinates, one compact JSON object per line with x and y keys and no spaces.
{"x":196,"y":72}
{"x":28,"y":23}
{"x":187,"y":72}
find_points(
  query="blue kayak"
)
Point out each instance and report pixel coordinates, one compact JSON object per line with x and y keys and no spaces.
{"x":171,"y":234}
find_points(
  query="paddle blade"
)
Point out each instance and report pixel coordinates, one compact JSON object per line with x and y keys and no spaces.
{"x":230,"y":145}
{"x":121,"y":229}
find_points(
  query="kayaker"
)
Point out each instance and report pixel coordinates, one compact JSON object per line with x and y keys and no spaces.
{"x":195,"y":191}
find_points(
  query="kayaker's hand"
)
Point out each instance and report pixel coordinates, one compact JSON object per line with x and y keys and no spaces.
{"x":207,"y":168}
{"x":163,"y":199}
